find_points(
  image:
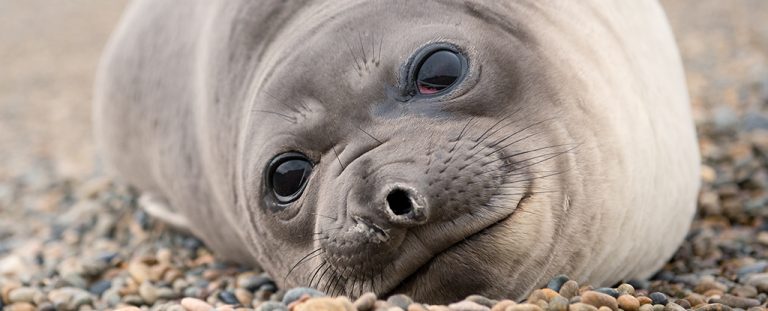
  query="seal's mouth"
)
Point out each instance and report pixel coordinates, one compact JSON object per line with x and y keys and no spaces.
{"x":412,"y":278}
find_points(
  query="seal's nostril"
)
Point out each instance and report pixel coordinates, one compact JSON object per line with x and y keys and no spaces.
{"x":399,"y":202}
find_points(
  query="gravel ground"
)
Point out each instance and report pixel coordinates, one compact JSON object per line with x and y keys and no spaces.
{"x":72,"y":240}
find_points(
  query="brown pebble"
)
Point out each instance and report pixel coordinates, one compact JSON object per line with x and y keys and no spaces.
{"x":243,"y":296}
{"x":737,"y":302}
{"x":524,"y":307}
{"x":707,"y":285}
{"x":365,"y":301}
{"x":502,"y":305}
{"x":536,"y":296}
{"x":683,"y":303}
{"x":549,"y":293}
{"x":138,"y":271}
{"x":646,"y":307}
{"x":671,"y":306}
{"x":21,"y":306}
{"x":644,"y":300}
{"x":599,"y":300}
{"x":569,"y":289}
{"x":327,"y":304}
{"x":604,"y":308}
{"x":437,"y":308}
{"x":626,"y":289}
{"x":225,"y":308}
{"x":580,"y":306}
{"x":585,"y":289}
{"x":128,"y":308}
{"x":558,"y":303}
{"x":713,"y":307}
{"x":696,"y":299}
{"x":713,"y":293}
{"x":482,"y":300}
{"x":628,"y":303}
{"x":747,"y":291}
{"x":416,"y":307}
{"x":658,"y":307}
{"x":467,"y":305}
{"x":194,"y":304}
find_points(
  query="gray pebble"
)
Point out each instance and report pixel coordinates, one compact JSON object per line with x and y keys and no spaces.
{"x":296,"y":293}
{"x":228,"y":298}
{"x":626,"y":289}
{"x":466,"y":305}
{"x":673,"y":307}
{"x":737,"y":302}
{"x":24,"y":294}
{"x":365,"y":302}
{"x":482,"y":300}
{"x":557,"y":282}
{"x":99,"y":287}
{"x":272,"y":306}
{"x":608,"y":291}
{"x":659,"y":298}
{"x":134,"y":300}
{"x":400,"y":300}
{"x":558,"y":303}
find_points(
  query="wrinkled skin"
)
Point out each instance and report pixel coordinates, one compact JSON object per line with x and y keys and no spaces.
{"x":568,"y":147}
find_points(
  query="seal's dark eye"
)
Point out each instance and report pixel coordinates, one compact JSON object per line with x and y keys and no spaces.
{"x":287,"y":175}
{"x":438,"y":72}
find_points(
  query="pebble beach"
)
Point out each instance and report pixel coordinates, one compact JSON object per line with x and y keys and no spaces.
{"x":72,"y":239}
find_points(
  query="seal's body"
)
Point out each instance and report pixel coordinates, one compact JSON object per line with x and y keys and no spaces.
{"x":434,"y":148}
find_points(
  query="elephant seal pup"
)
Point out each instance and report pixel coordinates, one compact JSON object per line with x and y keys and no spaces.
{"x":433,"y":148}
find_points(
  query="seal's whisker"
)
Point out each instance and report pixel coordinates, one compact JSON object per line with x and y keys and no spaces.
{"x":362,"y":49}
{"x":526,"y":152}
{"x":354,"y":56}
{"x":325,"y":285}
{"x":548,"y":155}
{"x":284,"y":116}
{"x":371,"y":136}
{"x":317,"y":270}
{"x":461,"y":134}
{"x":316,"y":252}
{"x":321,"y":215}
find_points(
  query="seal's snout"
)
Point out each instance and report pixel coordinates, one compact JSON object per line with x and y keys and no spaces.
{"x":406,"y":206}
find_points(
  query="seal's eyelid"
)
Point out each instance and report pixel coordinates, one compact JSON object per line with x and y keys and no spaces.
{"x":435,"y":70}
{"x":287,"y":176}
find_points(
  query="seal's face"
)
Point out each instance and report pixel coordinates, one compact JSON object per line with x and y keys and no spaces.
{"x":408,"y":157}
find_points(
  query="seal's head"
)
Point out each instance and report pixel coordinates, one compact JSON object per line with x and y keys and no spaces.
{"x":432,"y":149}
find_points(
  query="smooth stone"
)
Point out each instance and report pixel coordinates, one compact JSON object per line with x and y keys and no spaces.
{"x":243,"y":296}
{"x":482,"y":300}
{"x":400,"y":300}
{"x":673,"y":307}
{"x":166,"y":293}
{"x":737,"y":302}
{"x":757,"y":267}
{"x":557,"y":282}
{"x":99,"y":287}
{"x":536,"y":296}
{"x":128,"y":308}
{"x":683,"y":303}
{"x":365,"y":302}
{"x":696,"y":299}
{"x":626,"y":289}
{"x":416,"y":307}
{"x":746,"y":291}
{"x":646,"y":307}
{"x":708,"y":284}
{"x":254,"y":282}
{"x":713,"y":307}
{"x":558,"y":303}
{"x":628,"y":303}
{"x":580,"y":306}
{"x":569,"y":289}
{"x":272,"y":306}
{"x":135,"y":300}
{"x":467,"y":305}
{"x":759,"y":281}
{"x":659,"y":298}
{"x":638,"y":284}
{"x":603,"y":308}
{"x":502,"y":305}
{"x":326,"y":304}
{"x":148,"y":292}
{"x":194,"y":304}
{"x":138,"y":271}
{"x":69,"y":298}
{"x":296,"y":293}
{"x":23,"y":294}
{"x":608,"y":291}
{"x":228,"y":297}
{"x":524,"y":307}
{"x":658,"y":307}
{"x":598,"y":299}
{"x":21,"y":306}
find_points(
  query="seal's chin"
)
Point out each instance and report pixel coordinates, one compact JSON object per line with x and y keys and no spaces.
{"x":412,"y":284}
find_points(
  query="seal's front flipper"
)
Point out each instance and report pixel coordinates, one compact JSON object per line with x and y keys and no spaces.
{"x":159,"y":208}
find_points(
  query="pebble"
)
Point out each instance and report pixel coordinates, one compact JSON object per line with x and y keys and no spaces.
{"x":713,"y":307}
{"x":626,"y":289}
{"x":327,"y":304}
{"x":695,"y":299}
{"x":271,"y":306}
{"x":253,"y":282}
{"x":569,"y":289}
{"x":400,"y":300}
{"x":557,"y":282}
{"x":673,"y":307}
{"x":296,"y":293}
{"x":228,"y":298}
{"x":737,"y":302}
{"x":502,"y":305}
{"x":628,"y":303}
{"x":482,"y":300}
{"x":148,"y":292}
{"x":138,"y":271}
{"x":598,"y":299}
{"x":524,"y":307}
{"x":243,"y":296}
{"x":707,"y":285}
{"x":558,"y":303}
{"x":69,"y":298}
{"x":646,"y":307}
{"x":579,"y":306}
{"x":416,"y":307}
{"x":99,"y":287}
{"x":24,"y":294}
{"x":365,"y":302}
{"x":608,"y":291}
{"x":466,"y":305}
{"x":747,"y":291}
{"x":194,"y":304}
{"x":21,"y":306}
{"x":658,"y":298}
